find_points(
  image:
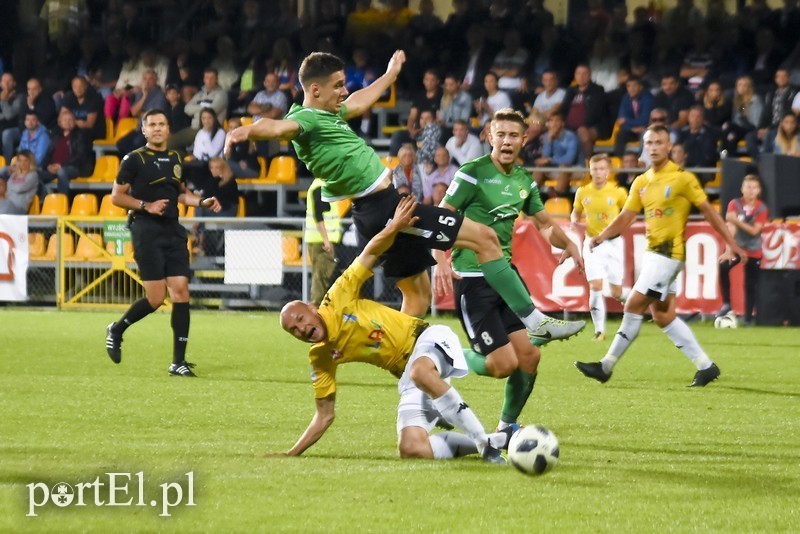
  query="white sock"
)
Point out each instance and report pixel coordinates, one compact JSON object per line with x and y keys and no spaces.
{"x":597,"y":308}
{"x":455,"y":411}
{"x":628,"y":330}
{"x":533,"y":319}
{"x":451,"y":445}
{"x":683,"y":338}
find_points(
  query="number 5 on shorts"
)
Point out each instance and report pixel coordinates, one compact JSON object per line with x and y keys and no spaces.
{"x":447,"y":220}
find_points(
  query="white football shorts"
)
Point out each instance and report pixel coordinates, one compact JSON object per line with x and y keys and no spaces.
{"x":605,"y":261}
{"x":659,"y":276}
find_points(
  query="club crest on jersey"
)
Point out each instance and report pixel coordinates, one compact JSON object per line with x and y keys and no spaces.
{"x":610,"y":201}
{"x":667,"y":191}
{"x":349,"y":318}
{"x":523,"y":194}
{"x":452,"y":188}
{"x":177,"y":170}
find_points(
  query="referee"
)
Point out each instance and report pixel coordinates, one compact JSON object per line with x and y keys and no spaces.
{"x":150,"y":185}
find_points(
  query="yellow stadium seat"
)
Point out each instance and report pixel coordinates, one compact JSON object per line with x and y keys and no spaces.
{"x":105,"y":170}
{"x":125,"y":126}
{"x":109,"y":138}
{"x":189,"y":211}
{"x":36,"y":245}
{"x":717,"y":205}
{"x":90,"y":248}
{"x":291,"y":251}
{"x":390,"y":161}
{"x":616,"y":162}
{"x":282,"y":170}
{"x":247,"y":120}
{"x":242,"y":210}
{"x":67,"y":248}
{"x":181,"y":210}
{"x":3,"y":161}
{"x":35,"y":206}
{"x":558,"y":206}
{"x":55,"y":204}
{"x":84,"y":205}
{"x":389,"y":102}
{"x":108,"y":209}
{"x":262,"y":166}
{"x":611,"y":140}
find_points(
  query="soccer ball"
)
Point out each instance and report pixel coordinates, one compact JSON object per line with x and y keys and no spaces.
{"x":726,"y":321}
{"x":533,"y":450}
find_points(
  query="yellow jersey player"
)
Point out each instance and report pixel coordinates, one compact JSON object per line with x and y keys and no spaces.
{"x":601,"y":201}
{"x":665,"y":193}
{"x":347,"y":328}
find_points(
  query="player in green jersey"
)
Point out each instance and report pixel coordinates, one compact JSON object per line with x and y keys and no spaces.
{"x":351,"y":169}
{"x":494,"y":191}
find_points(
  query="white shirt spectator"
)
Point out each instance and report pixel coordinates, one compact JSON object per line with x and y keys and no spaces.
{"x":497,"y":101}
{"x":277,"y":99}
{"x":207,"y":147}
{"x":470,"y":150}
{"x":544,"y":102}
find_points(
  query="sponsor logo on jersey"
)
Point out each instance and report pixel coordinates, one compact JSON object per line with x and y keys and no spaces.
{"x":492,"y":181}
{"x":506,"y":191}
{"x":658,"y":213}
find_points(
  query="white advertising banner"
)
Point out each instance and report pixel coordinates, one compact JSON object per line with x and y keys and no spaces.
{"x":13,"y":258}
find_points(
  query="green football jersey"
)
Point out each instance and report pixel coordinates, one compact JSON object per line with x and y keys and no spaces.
{"x":485,"y":194}
{"x":335,"y":154}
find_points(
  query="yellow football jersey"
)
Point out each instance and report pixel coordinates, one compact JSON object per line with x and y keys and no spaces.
{"x":666,"y":197}
{"x":360,"y":330}
{"x":600,"y":205}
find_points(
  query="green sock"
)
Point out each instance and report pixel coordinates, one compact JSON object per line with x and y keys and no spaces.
{"x":499,"y":274}
{"x":476,"y":362}
{"x":518,"y":388}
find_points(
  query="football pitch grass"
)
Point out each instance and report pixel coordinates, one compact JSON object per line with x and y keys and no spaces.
{"x":641,"y":453}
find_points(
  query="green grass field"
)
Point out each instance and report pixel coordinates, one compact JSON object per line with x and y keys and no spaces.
{"x":642,"y":453}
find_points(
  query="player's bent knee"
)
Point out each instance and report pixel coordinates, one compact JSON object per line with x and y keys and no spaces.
{"x":501,"y":367}
{"x":414,"y":445}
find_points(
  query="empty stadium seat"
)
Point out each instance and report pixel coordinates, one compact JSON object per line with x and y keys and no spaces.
{"x":125,"y":126}
{"x":84,"y":205}
{"x":108,"y":209}
{"x":36,"y":245}
{"x":105,"y":170}
{"x":90,"y":248}
{"x":55,"y":204}
{"x":109,"y":137}
{"x":282,"y":170}
{"x":558,"y":206}
{"x":2,"y":161}
{"x":67,"y":248}
{"x":36,"y":206}
{"x":242,"y":209}
{"x":291,"y":251}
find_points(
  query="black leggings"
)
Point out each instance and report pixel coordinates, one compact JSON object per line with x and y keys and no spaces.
{"x":752,"y":270}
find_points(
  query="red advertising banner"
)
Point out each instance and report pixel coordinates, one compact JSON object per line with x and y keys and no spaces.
{"x":561,"y":287}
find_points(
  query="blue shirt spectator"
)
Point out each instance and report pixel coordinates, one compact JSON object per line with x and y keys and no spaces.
{"x":35,"y":138}
{"x":559,"y":145}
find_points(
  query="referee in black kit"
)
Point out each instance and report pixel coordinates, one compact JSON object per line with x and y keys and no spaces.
{"x":150,"y":184}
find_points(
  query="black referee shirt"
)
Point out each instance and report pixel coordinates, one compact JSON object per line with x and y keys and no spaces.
{"x":153,"y":175}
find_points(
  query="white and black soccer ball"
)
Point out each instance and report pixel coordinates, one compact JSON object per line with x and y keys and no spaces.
{"x":726,"y":321}
{"x":533,"y":450}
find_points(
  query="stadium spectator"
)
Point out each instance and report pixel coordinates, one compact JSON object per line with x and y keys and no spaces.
{"x":211,"y":95}
{"x":272,"y":103}
{"x":600,"y":202}
{"x":210,"y":139}
{"x":35,"y":138}
{"x":676,"y":99}
{"x":225,"y":63}
{"x":218,"y":182}
{"x":6,"y":207}
{"x":604,"y":64}
{"x":746,"y":112}
{"x":656,"y":284}
{"x":509,"y":63}
{"x":359,"y":75}
{"x":407,"y":176}
{"x":492,"y":100}
{"x":476,"y":62}
{"x":87,"y":107}
{"x":323,"y":231}
{"x":464,"y":146}
{"x":429,"y":138}
{"x":12,"y":103}
{"x":283,"y":63}
{"x":630,"y":160}
{"x":430,"y":98}
{"x":70,"y":154}
{"x":786,"y":140}
{"x":699,"y":141}
{"x":176,"y":115}
{"x":435,"y":356}
{"x":584,"y":109}
{"x":456,"y":103}
{"x":22,"y":182}
{"x":437,"y":181}
{"x":745,"y":217}
{"x":716,"y":108}
{"x":550,"y":97}
{"x":159,"y":240}
{"x":35,"y":101}
{"x":776,"y":104}
{"x":532,"y":147}
{"x":698,"y":64}
{"x":634,"y":114}
{"x":242,"y":158}
{"x":149,"y":96}
{"x":560,"y":148}
{"x":766,"y":59}
{"x":678,"y":156}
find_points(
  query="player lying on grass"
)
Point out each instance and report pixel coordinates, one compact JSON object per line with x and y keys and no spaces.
{"x":351,"y":169}
{"x":348,"y":328}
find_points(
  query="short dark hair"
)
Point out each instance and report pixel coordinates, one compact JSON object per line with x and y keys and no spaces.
{"x":32,"y":112}
{"x":318,"y":65}
{"x":152,"y":112}
{"x":511,"y":115}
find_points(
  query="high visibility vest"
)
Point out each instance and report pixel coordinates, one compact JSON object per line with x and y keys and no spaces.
{"x":333,"y":225}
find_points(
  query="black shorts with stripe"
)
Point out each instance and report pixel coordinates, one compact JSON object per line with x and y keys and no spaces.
{"x":160,"y":248}
{"x":410,"y":254}
{"x":485,"y":316}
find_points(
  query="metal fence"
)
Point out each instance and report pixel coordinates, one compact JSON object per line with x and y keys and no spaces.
{"x":237,"y":263}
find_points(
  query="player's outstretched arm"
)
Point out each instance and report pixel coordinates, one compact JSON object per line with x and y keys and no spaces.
{"x":715,"y":220}
{"x":363,"y":99}
{"x":323,"y":418}
{"x":559,"y":239}
{"x":383,"y":240}
{"x":262,"y":129}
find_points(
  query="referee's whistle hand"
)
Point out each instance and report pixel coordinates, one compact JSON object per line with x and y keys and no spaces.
{"x":157,"y":207}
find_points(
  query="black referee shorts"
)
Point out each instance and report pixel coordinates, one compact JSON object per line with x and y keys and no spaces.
{"x":485,"y":316}
{"x":410,"y":254}
{"x":160,"y":248}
